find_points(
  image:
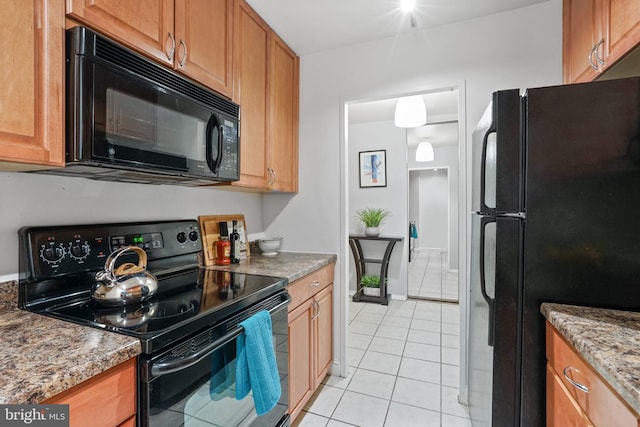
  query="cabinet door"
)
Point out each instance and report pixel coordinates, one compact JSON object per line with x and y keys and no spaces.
{"x":203,"y":34}
{"x":581,"y":32}
{"x":622,"y":28}
{"x":144,"y":25}
{"x":300,"y":363}
{"x":562,"y":410}
{"x":323,"y":334}
{"x":31,"y":87}
{"x":251,"y":70}
{"x":111,"y":394}
{"x":283,"y":141}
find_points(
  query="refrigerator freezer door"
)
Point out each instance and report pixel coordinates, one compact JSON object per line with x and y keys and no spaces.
{"x":497,"y":157}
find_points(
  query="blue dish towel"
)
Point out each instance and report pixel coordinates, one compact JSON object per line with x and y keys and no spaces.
{"x":256,"y":367}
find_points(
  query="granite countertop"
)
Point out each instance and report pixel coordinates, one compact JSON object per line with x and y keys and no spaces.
{"x":41,"y":356}
{"x":608,"y":339}
{"x":292,"y":265}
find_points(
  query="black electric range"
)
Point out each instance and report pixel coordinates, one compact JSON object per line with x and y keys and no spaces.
{"x":58,"y":265}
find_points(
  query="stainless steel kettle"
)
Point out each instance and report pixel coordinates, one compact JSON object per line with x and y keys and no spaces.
{"x":127,"y":284}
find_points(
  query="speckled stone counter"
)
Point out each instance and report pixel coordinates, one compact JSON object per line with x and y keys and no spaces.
{"x":41,"y":357}
{"x":608,"y":339}
{"x":292,"y":265}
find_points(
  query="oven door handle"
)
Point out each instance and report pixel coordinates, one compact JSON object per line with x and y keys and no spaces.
{"x":174,"y":365}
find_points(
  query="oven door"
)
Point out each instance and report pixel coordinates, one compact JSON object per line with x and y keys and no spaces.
{"x":198,"y":389}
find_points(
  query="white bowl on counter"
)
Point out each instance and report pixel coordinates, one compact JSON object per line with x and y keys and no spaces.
{"x":270,"y":247}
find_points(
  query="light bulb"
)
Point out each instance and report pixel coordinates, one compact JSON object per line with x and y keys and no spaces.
{"x":410,"y":112}
{"x":407,"y":5}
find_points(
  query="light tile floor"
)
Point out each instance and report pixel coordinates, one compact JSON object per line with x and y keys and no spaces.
{"x":403,"y":370}
{"x":429,"y":276}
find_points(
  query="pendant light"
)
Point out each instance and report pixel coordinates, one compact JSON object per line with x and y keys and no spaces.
{"x":410,"y":112}
{"x":424,"y":152}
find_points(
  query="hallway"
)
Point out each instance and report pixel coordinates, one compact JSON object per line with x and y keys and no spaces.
{"x":403,"y":362}
{"x":430,"y":278}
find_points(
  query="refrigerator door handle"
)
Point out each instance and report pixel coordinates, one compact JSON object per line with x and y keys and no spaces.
{"x":483,"y":285}
{"x":483,"y":172}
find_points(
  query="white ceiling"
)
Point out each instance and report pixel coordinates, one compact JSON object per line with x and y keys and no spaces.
{"x":310,"y":26}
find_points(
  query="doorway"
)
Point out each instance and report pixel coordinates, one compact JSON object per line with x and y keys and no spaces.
{"x":430,"y":275}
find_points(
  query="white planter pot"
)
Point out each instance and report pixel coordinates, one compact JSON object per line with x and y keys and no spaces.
{"x":372,"y":231}
{"x":371,"y":292}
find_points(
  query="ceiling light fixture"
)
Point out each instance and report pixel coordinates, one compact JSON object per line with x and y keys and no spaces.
{"x":424,"y":152}
{"x":407,"y":5}
{"x":410,"y":112}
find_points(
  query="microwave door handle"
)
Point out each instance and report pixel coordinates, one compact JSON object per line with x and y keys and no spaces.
{"x":162,"y":368}
{"x":214,"y":164}
{"x":483,"y":283}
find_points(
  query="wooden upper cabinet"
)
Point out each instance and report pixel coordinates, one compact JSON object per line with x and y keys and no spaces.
{"x":191,"y":36}
{"x":145,"y":25}
{"x":32,"y":85}
{"x":580,"y":34}
{"x":596,"y":35}
{"x":283,"y":138}
{"x":251,"y":74}
{"x":203,"y":32}
{"x":621,"y":28}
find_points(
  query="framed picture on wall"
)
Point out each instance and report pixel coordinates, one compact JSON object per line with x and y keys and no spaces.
{"x":373,"y":168}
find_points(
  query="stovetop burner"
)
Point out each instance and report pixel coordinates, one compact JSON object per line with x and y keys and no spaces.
{"x":56,"y":280}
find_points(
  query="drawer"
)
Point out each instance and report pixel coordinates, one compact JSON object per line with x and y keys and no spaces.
{"x":602,"y":405}
{"x":309,"y":285}
{"x":562,"y":409}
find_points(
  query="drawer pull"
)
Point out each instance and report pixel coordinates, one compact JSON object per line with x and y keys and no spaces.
{"x":572,"y":382}
{"x":315,"y":283}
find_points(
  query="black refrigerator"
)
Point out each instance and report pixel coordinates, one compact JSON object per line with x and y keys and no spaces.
{"x":556,"y":218}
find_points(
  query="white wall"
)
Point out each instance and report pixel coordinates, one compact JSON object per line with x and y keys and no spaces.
{"x":34,"y":199}
{"x":381,"y":136}
{"x":520,"y":48}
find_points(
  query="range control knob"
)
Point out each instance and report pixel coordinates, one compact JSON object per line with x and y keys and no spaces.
{"x":193,"y":236}
{"x":79,"y":250}
{"x":182,"y":237}
{"x":52,"y":254}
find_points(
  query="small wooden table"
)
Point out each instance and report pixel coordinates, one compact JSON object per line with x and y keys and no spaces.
{"x":361,"y":266}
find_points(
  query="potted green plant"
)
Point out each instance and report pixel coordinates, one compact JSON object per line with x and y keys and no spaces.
{"x":370,"y":285}
{"x":372,"y":218}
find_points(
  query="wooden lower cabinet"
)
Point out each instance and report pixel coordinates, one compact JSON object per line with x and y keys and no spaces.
{"x":576,"y":394}
{"x":106,"y":400}
{"x":310,"y":336}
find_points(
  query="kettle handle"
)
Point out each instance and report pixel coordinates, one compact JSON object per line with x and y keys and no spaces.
{"x":128,"y":267}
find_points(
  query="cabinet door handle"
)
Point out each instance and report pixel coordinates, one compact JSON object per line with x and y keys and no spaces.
{"x":316,"y":308}
{"x":600,"y":60}
{"x":184,"y":57}
{"x":173,"y":47}
{"x":577,"y":385}
{"x":593,"y":64}
{"x":314,"y":283}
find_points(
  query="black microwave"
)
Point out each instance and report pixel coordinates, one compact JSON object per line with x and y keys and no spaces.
{"x":130,"y":119}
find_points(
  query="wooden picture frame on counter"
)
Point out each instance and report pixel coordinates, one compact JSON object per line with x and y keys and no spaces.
{"x":210,"y":232}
